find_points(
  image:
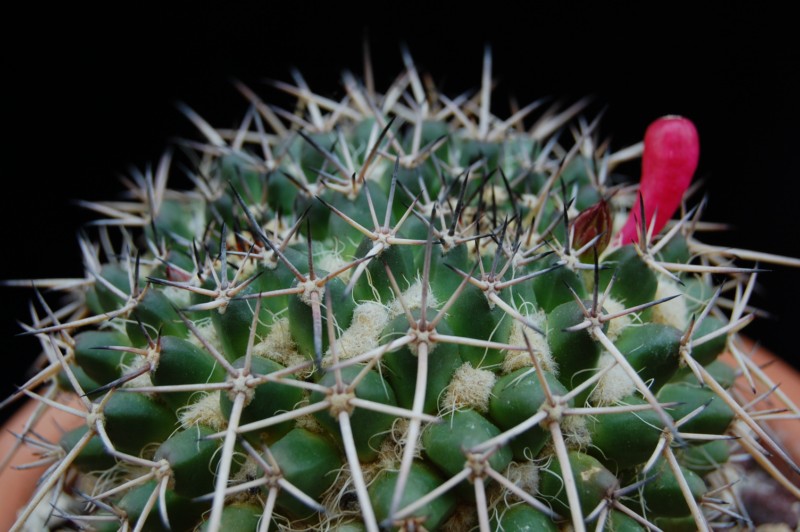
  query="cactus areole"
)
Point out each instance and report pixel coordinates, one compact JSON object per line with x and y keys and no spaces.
{"x":401,"y":311}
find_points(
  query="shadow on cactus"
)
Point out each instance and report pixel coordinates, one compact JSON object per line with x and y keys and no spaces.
{"x":399,"y":310}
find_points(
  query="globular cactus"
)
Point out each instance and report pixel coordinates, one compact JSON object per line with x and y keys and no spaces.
{"x":398,"y":310}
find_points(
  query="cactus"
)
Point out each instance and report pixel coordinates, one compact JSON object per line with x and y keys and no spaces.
{"x":398,"y":310}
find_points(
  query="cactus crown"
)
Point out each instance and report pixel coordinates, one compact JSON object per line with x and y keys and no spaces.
{"x":399,"y":310}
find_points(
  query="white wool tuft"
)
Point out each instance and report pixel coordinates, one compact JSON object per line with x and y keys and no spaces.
{"x":576,"y":433}
{"x":672,"y":312}
{"x":617,"y":325}
{"x":279,"y":346}
{"x":140,"y":381}
{"x":614,"y":385}
{"x":369,"y":320}
{"x":331,"y":261}
{"x":206,"y":330}
{"x":178,"y":296}
{"x":469,"y":388}
{"x":524,"y":475}
{"x":204,"y":411}
{"x":541,"y":349}
{"x":309,"y":422}
{"x":412,"y":298}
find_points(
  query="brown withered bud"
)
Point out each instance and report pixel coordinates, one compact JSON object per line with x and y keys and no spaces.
{"x":596,"y":220}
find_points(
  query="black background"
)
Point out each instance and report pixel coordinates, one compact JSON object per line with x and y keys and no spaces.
{"x":88,"y":93}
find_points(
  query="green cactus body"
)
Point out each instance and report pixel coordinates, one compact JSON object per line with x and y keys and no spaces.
{"x":355,"y":323}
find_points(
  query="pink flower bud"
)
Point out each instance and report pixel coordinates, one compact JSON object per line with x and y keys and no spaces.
{"x":671,"y":152}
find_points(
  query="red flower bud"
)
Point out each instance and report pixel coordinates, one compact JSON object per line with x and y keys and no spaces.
{"x":671,"y":152}
{"x":596,"y":220}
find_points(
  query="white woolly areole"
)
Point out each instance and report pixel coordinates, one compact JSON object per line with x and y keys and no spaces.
{"x":308,"y":422}
{"x":178,"y":296}
{"x":206,"y":331}
{"x":142,"y":380}
{"x":392,"y":448}
{"x":614,"y":385}
{"x":204,"y":411}
{"x":279,"y":346}
{"x":576,"y":433}
{"x":498,"y":193}
{"x":487,"y":248}
{"x":331,"y":260}
{"x":340,"y":500}
{"x":248,"y":467}
{"x":469,"y":388}
{"x":369,"y":320}
{"x":617,"y":325}
{"x":249,"y":267}
{"x":528,"y":202}
{"x":412,"y":298}
{"x":672,"y":312}
{"x":309,"y":288}
{"x":514,"y":360}
{"x":525,"y":475}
